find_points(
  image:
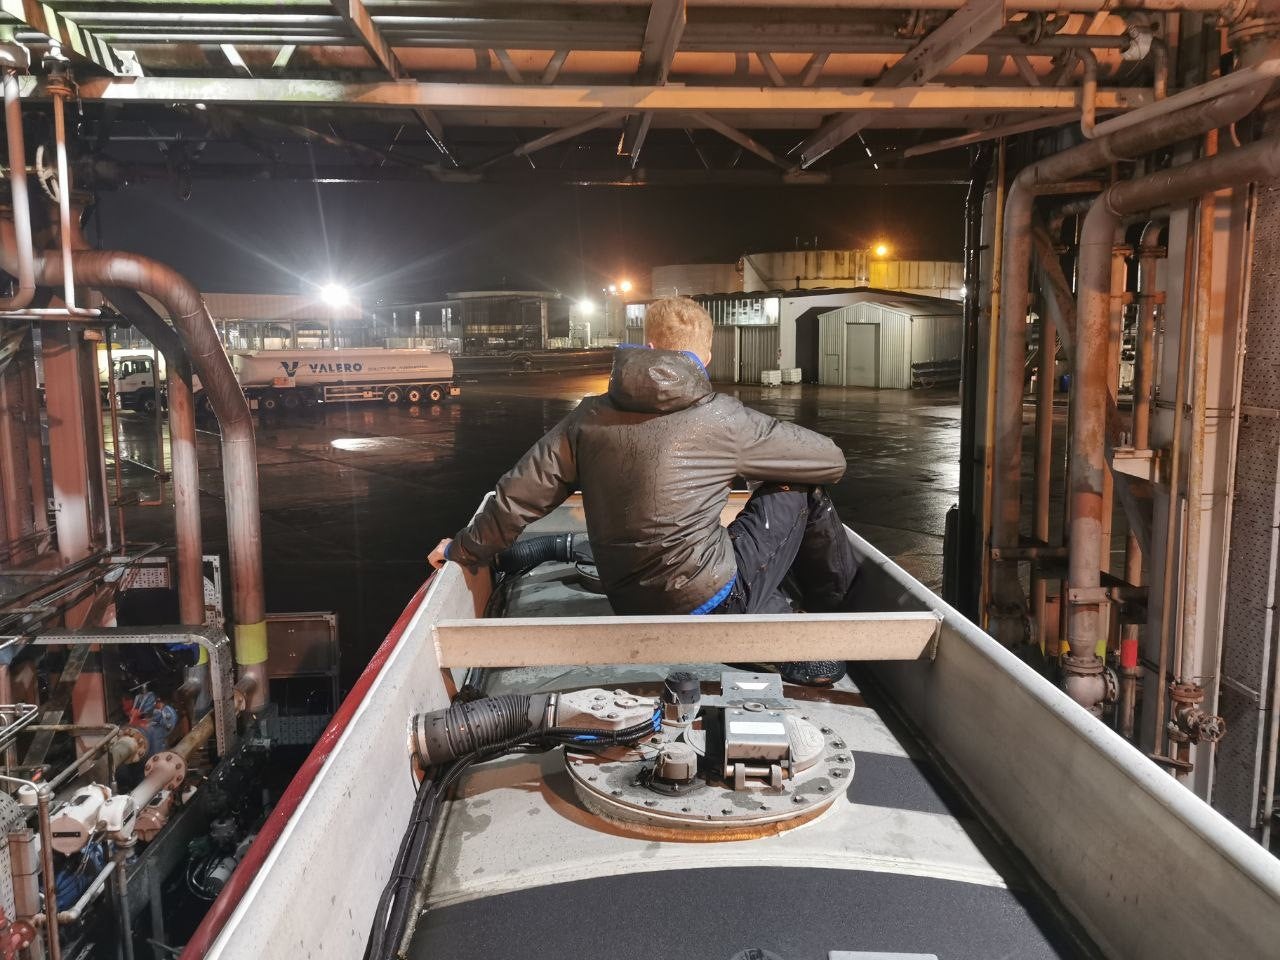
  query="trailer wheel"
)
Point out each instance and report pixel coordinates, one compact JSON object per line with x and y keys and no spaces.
{"x":148,"y":404}
{"x":269,"y":402}
{"x":416,"y":393}
{"x":393,"y":395}
{"x":435,"y":393}
{"x":291,"y":401}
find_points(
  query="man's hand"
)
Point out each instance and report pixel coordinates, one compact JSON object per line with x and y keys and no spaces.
{"x":437,"y":558}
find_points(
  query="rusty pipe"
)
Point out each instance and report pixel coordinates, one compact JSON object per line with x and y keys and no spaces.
{"x":1089,"y":93}
{"x":1148,"y":256}
{"x":64,"y":195}
{"x":121,"y":270}
{"x":182,"y":443}
{"x":1124,"y":144}
{"x":26,"y":271}
{"x":1088,"y":438}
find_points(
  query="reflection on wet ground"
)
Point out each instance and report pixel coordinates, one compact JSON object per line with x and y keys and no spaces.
{"x":354,"y":497}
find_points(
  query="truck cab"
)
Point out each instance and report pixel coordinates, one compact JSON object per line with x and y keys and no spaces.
{"x":137,"y":381}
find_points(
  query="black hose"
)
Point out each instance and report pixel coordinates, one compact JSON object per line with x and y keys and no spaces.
{"x":467,"y":728}
{"x":535,"y":550}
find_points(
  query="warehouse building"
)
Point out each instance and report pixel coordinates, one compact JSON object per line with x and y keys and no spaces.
{"x":891,"y":342}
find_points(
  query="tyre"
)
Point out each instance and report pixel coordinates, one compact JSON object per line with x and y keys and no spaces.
{"x":269,"y":402}
{"x":291,"y":401}
{"x":435,"y":393}
{"x":148,"y":404}
{"x":393,"y":395}
{"x":416,"y":394}
{"x":522,"y":364}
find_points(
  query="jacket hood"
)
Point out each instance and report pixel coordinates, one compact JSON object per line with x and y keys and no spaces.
{"x":656,"y":381}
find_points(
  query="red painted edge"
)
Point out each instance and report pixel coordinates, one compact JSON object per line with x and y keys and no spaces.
{"x":222,"y":908}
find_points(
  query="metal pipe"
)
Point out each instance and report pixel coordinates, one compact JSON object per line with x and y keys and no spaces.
{"x":184,"y":463}
{"x":1159,"y":69}
{"x":90,"y":894}
{"x":1268,"y":635}
{"x":1043,"y":472}
{"x":120,"y":883}
{"x":1246,"y":78}
{"x":117,"y":269}
{"x":1089,"y":94}
{"x":1089,"y":437}
{"x":1128,"y":143}
{"x":64,"y":195}
{"x":26,"y":271}
{"x":1187,"y":668}
{"x":214,"y":644}
{"x":113,"y":402}
{"x":1174,"y":518}
{"x":989,"y":409}
{"x":1148,"y":255}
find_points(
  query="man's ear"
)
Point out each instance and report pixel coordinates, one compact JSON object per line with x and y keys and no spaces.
{"x":650,"y":345}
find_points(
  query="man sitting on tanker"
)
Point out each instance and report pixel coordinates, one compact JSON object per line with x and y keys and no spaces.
{"x":655,"y":457}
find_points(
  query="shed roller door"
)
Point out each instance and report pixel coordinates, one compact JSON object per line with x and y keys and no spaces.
{"x":759,"y":351}
{"x":724,"y":355}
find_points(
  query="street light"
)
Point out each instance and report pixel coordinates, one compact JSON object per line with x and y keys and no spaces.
{"x":613,"y":288}
{"x":335,"y":294}
{"x":624,"y":286}
{"x":882,"y":250}
{"x":586,"y":307}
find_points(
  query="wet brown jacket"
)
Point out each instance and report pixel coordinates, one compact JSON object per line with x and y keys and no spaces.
{"x":654,"y":458}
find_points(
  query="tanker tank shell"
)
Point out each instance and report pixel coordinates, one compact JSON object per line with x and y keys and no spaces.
{"x":320,"y":367}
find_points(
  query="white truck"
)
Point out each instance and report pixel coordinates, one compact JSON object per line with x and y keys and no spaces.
{"x":137,"y":385}
{"x":291,"y":379}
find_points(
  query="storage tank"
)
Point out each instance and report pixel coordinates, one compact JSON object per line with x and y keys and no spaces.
{"x":320,"y":367}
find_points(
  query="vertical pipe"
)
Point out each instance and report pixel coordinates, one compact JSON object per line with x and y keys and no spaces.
{"x":18,"y":191}
{"x":1043,"y":472}
{"x":1119,"y":272}
{"x":989,"y":410}
{"x":158,"y":423}
{"x":1168,"y":603}
{"x":1144,"y":362}
{"x":1268,"y":635}
{"x":1189,"y":648}
{"x":114,"y":401}
{"x":64,"y":198}
{"x":120,"y":883}
{"x":43,"y":793}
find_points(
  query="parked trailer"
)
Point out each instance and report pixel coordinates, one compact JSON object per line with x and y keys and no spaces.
{"x":289,"y":379}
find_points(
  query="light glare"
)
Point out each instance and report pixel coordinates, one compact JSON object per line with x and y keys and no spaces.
{"x":335,"y":295}
{"x":586,"y":307}
{"x":625,"y":286}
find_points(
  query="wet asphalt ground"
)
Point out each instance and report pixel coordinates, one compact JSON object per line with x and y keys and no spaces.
{"x":354,"y":497}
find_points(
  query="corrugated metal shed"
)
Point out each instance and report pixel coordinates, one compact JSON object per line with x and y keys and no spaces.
{"x":908,"y":329}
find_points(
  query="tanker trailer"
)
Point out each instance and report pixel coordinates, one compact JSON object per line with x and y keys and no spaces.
{"x":290,"y":379}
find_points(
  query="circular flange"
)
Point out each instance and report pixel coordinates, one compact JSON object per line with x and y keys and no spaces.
{"x":714,"y":811}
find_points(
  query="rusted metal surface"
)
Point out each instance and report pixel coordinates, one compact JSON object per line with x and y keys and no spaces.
{"x":21,"y":207}
{"x":1016,"y":252}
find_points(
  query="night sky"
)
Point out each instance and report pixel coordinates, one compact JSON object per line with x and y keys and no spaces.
{"x":399,"y":241}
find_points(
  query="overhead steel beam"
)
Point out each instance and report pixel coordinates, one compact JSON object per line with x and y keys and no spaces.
{"x":813,"y":69}
{"x":554,"y":66}
{"x":740,"y":138}
{"x":283,"y":57}
{"x":297,"y":92}
{"x":508,"y":65}
{"x":519,"y":174}
{"x":662,"y":33}
{"x":357,"y":18}
{"x":554,"y":137}
{"x":961,"y":32}
{"x":77,"y":44}
{"x":237,"y":62}
{"x":771,"y":68}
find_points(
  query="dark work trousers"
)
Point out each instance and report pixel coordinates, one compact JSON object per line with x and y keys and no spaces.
{"x":790,"y":528}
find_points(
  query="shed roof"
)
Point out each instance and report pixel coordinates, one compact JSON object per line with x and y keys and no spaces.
{"x":909,"y":305}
